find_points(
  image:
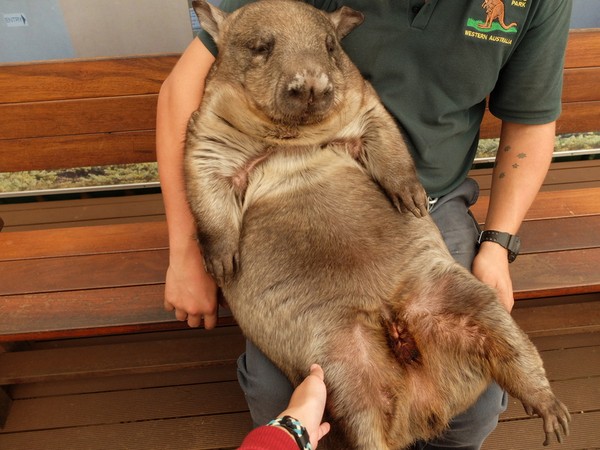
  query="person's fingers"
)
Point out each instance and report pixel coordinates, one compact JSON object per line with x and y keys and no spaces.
{"x":317,"y":370}
{"x":323,"y":429}
{"x":181,"y":315}
{"x":194,"y":320}
{"x":210,"y":321}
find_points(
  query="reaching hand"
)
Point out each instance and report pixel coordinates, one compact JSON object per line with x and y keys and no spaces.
{"x":308,"y":404}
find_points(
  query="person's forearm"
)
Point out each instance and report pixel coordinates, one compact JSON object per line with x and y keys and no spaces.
{"x":523,"y":158}
{"x":522,"y":162}
{"x":180,"y":95}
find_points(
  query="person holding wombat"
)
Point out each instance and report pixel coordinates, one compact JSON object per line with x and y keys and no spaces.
{"x":433,"y":68}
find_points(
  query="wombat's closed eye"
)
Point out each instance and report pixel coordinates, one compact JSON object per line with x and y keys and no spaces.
{"x":262,"y":46}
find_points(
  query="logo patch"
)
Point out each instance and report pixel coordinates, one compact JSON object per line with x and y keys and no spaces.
{"x":495,"y":27}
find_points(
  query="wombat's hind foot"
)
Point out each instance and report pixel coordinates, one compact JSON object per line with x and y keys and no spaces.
{"x":556,"y":419}
{"x":402,"y":343}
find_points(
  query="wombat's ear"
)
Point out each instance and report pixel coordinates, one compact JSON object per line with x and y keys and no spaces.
{"x":345,"y":20}
{"x":210,"y":17}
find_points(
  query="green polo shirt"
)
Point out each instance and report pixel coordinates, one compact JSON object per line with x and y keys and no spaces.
{"x":435,"y":63}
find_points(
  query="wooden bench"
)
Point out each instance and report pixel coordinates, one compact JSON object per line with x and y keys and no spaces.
{"x":95,"y":267}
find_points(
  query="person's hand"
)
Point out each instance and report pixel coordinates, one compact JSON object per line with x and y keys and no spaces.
{"x":491,"y":267}
{"x":308,"y":404}
{"x":190,"y":291}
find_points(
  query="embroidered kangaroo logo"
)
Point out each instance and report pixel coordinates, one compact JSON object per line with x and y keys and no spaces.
{"x":494,"y":10}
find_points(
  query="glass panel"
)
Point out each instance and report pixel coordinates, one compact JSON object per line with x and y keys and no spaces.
{"x":33,"y":30}
{"x":586,"y":14}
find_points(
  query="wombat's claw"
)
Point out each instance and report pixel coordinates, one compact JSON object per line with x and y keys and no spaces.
{"x":529,"y":410}
{"x":222,"y":269}
{"x":417,"y":209}
{"x":556,"y":421}
{"x":548,"y":439}
{"x":412,"y":199}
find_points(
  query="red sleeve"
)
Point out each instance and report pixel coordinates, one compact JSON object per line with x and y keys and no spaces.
{"x":268,"y":438}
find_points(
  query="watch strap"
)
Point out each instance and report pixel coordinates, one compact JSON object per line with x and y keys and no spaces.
{"x":510,"y":242}
{"x":295,"y":428}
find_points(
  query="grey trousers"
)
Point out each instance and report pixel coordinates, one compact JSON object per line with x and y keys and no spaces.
{"x":268,"y":391}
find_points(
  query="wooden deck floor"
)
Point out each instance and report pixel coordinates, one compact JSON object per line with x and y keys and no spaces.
{"x":203,"y":407}
{"x":573,"y":366}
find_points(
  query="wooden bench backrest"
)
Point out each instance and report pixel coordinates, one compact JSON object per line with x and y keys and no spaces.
{"x":80,"y":113}
{"x":84,"y":113}
{"x":581,"y":90}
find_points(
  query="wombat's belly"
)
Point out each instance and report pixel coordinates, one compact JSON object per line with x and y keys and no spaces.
{"x":321,"y":245}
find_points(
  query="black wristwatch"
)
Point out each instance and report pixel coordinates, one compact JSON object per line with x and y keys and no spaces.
{"x":295,"y":428}
{"x":510,"y":242}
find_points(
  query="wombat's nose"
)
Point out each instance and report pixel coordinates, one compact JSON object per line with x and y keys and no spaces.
{"x":307,"y":95}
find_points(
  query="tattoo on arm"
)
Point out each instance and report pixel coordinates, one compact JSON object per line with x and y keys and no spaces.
{"x":521,"y":155}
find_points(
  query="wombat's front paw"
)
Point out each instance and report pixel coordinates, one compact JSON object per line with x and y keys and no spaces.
{"x":221,"y":261}
{"x":410,"y":196}
{"x":556,"y":419}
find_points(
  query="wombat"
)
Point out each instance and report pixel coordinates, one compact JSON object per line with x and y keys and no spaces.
{"x":314,"y":224}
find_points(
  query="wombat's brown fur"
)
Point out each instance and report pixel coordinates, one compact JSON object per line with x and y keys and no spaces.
{"x":296,"y":174}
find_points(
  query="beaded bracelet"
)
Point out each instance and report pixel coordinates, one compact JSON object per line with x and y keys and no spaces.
{"x":296,"y":430}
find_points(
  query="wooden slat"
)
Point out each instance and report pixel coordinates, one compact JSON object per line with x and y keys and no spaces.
{"x":224,"y":431}
{"x":558,"y":320}
{"x":226,"y":372}
{"x":552,"y":204}
{"x":560,"y":234}
{"x":81,"y":150}
{"x":575,"y":118}
{"x":583,"y":48}
{"x":580,"y":395}
{"x":95,"y":312}
{"x":119,"y":114}
{"x":537,"y":236}
{"x":566,"y":364}
{"x":76,"y":241}
{"x":173,"y":403}
{"x":569,"y":173}
{"x":536,"y":275}
{"x":577,"y":374}
{"x":6,"y":403}
{"x":561,"y":175}
{"x":81,"y":211}
{"x":579,"y":117}
{"x":83,"y":272}
{"x":115,"y":407}
{"x":71,"y":79}
{"x":101,"y":221}
{"x":529,"y":435}
{"x":581,"y":84}
{"x":215,"y":348}
{"x":565,"y":341}
{"x":73,"y":117}
{"x":43,"y":315}
{"x":574,"y":202}
{"x":558,"y":273}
